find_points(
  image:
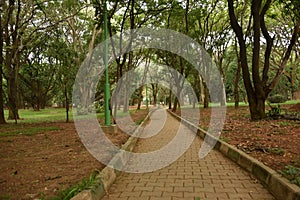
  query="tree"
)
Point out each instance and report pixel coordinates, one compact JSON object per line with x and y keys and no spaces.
{"x":24,"y":24}
{"x":237,"y":77}
{"x":12,"y":39}
{"x":293,"y":74}
{"x":2,"y":119}
{"x":73,"y":45}
{"x":257,"y":83}
{"x":123,"y":16}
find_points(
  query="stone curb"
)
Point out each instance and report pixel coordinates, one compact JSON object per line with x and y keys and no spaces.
{"x":279,"y":186}
{"x":108,"y":175}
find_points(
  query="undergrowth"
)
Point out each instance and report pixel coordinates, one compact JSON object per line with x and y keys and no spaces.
{"x":292,"y":173}
{"x":71,"y":191}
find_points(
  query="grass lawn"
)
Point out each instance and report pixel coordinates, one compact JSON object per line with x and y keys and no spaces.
{"x":35,"y":121}
{"x":44,"y":115}
{"x":52,"y":115}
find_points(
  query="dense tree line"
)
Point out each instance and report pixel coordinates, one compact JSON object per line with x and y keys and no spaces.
{"x":255,"y":45}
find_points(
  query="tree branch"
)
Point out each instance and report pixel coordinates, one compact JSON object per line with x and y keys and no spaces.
{"x":269,"y":40}
{"x":243,"y":49}
{"x":293,"y":40}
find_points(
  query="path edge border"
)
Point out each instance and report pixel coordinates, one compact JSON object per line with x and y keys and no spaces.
{"x":108,"y":175}
{"x":276,"y":184}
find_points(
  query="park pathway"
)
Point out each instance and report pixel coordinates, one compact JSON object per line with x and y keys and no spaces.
{"x":213,"y":177}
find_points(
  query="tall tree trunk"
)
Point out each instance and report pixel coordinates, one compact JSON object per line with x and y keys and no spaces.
{"x":259,"y":88}
{"x":154,"y":92}
{"x":127,"y":89}
{"x":237,"y":78}
{"x":252,"y":98}
{"x":179,"y":83}
{"x":292,"y":81}
{"x":206,"y":96}
{"x":223,"y":93}
{"x":2,"y":118}
{"x":13,"y":96}
{"x":222,"y":81}
{"x":130,"y":57}
{"x":174,"y":109}
{"x":201,"y":90}
{"x":39,"y":97}
{"x":67,"y":103}
{"x":236,"y":87}
{"x":12,"y":57}
{"x":38,"y":103}
{"x":154,"y":99}
{"x":170,"y":99}
{"x":179,"y":79}
{"x":140,"y":98}
{"x":257,"y":107}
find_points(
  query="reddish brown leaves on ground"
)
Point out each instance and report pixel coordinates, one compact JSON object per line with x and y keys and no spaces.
{"x":43,"y":163}
{"x":47,"y":162}
{"x":273,"y":142}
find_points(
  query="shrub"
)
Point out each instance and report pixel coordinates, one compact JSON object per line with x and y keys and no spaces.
{"x":277,"y":99}
{"x":293,"y":174}
{"x":71,"y":191}
{"x":98,"y":107}
{"x":274,"y":112}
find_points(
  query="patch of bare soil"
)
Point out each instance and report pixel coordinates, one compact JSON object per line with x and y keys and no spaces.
{"x":295,"y":107}
{"x":273,"y":142}
{"x":42,"y":164}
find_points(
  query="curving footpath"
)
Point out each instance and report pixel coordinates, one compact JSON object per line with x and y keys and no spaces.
{"x":213,"y":177}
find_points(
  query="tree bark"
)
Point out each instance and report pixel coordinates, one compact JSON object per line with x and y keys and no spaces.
{"x":286,"y":57}
{"x":154,"y":92}
{"x":67,"y":103}
{"x":170,"y":99}
{"x":257,"y":106}
{"x":236,"y":86}
{"x":223,"y":94}
{"x":126,"y":94}
{"x":12,"y":57}
{"x":255,"y":95}
{"x":140,"y":98}
{"x":236,"y":80}
{"x":206,"y":96}
{"x":2,"y":118}
{"x":12,"y":94}
{"x":258,"y":92}
{"x":174,"y":109}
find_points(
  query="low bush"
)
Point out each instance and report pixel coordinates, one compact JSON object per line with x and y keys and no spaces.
{"x":277,"y":99}
{"x":293,"y":174}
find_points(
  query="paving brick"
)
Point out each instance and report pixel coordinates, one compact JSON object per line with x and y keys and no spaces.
{"x":155,"y":184}
{"x":151,"y":194}
{"x":205,"y":189}
{"x":240,"y":195}
{"x":164,"y":189}
{"x":210,"y":195}
{"x":213,"y":177}
{"x":225,"y":190}
{"x":129,"y":194}
{"x":184,"y":189}
{"x":155,"y":198}
{"x":136,"y":198}
{"x":221,"y":182}
{"x":193,"y":195}
{"x":173,"y":194}
{"x":145,"y":188}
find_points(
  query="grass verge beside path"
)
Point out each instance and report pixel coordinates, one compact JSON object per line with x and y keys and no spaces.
{"x":20,"y":130}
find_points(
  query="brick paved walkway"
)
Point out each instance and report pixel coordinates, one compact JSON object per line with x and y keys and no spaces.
{"x":214,"y":177}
